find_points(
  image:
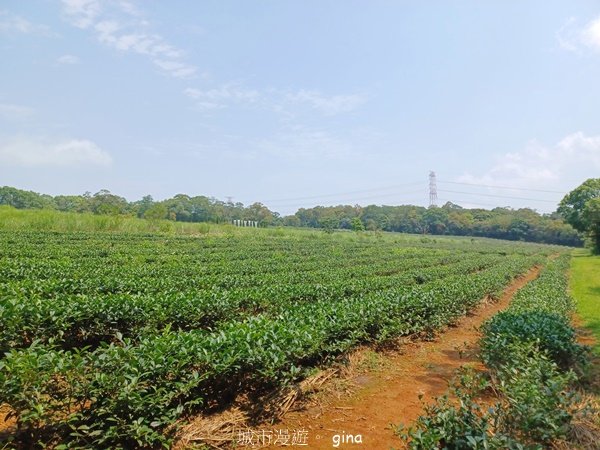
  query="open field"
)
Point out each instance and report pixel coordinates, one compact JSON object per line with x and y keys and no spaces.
{"x":51,"y":220}
{"x":585,"y":286}
{"x":111,"y":338}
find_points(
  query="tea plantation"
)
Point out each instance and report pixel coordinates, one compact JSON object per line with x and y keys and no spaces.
{"x":111,"y":340}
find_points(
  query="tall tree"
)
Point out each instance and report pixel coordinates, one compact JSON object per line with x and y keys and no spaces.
{"x":581,"y":208}
{"x":103,"y":202}
{"x":591,"y":214}
{"x":573,"y":204}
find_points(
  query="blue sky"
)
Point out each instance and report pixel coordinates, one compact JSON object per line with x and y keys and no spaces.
{"x":298,"y":103}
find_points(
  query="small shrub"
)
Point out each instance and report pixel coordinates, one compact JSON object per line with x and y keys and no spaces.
{"x":539,"y":404}
{"x":551,"y":334}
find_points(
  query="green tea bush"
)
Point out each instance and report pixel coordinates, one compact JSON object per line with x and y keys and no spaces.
{"x":530,"y":351}
{"x":538,"y":402}
{"x":550,"y":333}
{"x":111,"y":339}
{"x":42,"y":385}
{"x":534,"y":408}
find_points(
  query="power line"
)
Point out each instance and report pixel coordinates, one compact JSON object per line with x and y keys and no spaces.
{"x":502,"y":187}
{"x":499,"y":196}
{"x":312,"y":197}
{"x":353,"y":199}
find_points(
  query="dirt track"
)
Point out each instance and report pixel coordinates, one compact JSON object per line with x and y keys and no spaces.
{"x":391,"y":395}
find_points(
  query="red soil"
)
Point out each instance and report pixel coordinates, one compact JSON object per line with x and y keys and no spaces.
{"x":391,"y":395}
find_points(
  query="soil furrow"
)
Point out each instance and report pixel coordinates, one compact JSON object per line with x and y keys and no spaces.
{"x":391,"y":395}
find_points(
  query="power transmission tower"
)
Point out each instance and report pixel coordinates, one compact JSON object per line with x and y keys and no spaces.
{"x":432,"y":189}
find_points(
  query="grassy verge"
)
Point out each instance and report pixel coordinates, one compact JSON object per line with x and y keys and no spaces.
{"x":585,"y":287}
{"x":49,"y":220}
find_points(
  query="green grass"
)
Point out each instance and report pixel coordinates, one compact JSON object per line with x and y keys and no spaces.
{"x":585,"y":287}
{"x":50,"y":220}
{"x":12,"y":219}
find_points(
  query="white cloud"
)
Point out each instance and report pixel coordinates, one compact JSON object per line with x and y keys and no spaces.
{"x":577,"y":148}
{"x":9,"y":111}
{"x":176,"y":69}
{"x":193,"y":93}
{"x":567,"y":35}
{"x":302,"y":143}
{"x":561,"y":166}
{"x":591,"y":34}
{"x":13,"y":24}
{"x":106,"y":30}
{"x":67,"y":59}
{"x":120,"y":25}
{"x":130,"y":8}
{"x":328,"y":105}
{"x":81,"y":13}
{"x":282,"y":102}
{"x":225,"y":92}
{"x":222,"y":96}
{"x":576,"y":38}
{"x":29,"y":152}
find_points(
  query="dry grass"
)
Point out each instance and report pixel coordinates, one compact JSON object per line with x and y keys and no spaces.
{"x":584,"y":433}
{"x":216,"y":430}
{"x":222,"y":429}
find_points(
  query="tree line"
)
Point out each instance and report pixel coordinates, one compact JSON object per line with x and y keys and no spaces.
{"x":450,"y":219}
{"x":501,"y":223}
{"x":180,"y":208}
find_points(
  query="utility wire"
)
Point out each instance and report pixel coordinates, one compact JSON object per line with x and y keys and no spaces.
{"x":312,"y":197}
{"x":478,"y":194}
{"x":353,"y":199}
{"x":502,"y":187}
{"x":276,"y":203}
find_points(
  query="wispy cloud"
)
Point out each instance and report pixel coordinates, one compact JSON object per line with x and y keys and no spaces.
{"x":82,"y":13}
{"x":12,"y":24}
{"x":292,"y":143}
{"x":591,"y":34}
{"x":575,"y":157}
{"x":294,"y":139}
{"x":11,"y":112}
{"x":222,"y":96}
{"x":67,"y":60}
{"x":121,"y":25}
{"x":130,"y":8}
{"x":30,"y":152}
{"x":326,"y":104}
{"x":175,"y":68}
{"x":302,"y":143}
{"x":281,"y":101}
{"x":573,"y":36}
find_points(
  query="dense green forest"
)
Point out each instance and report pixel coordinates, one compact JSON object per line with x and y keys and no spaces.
{"x":450,"y":219}
{"x":501,"y":223}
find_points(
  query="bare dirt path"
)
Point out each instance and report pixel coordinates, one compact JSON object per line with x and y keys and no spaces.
{"x":391,"y":395}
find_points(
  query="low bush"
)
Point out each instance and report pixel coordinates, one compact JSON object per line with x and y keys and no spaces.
{"x":530,"y":352}
{"x":550,"y":333}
